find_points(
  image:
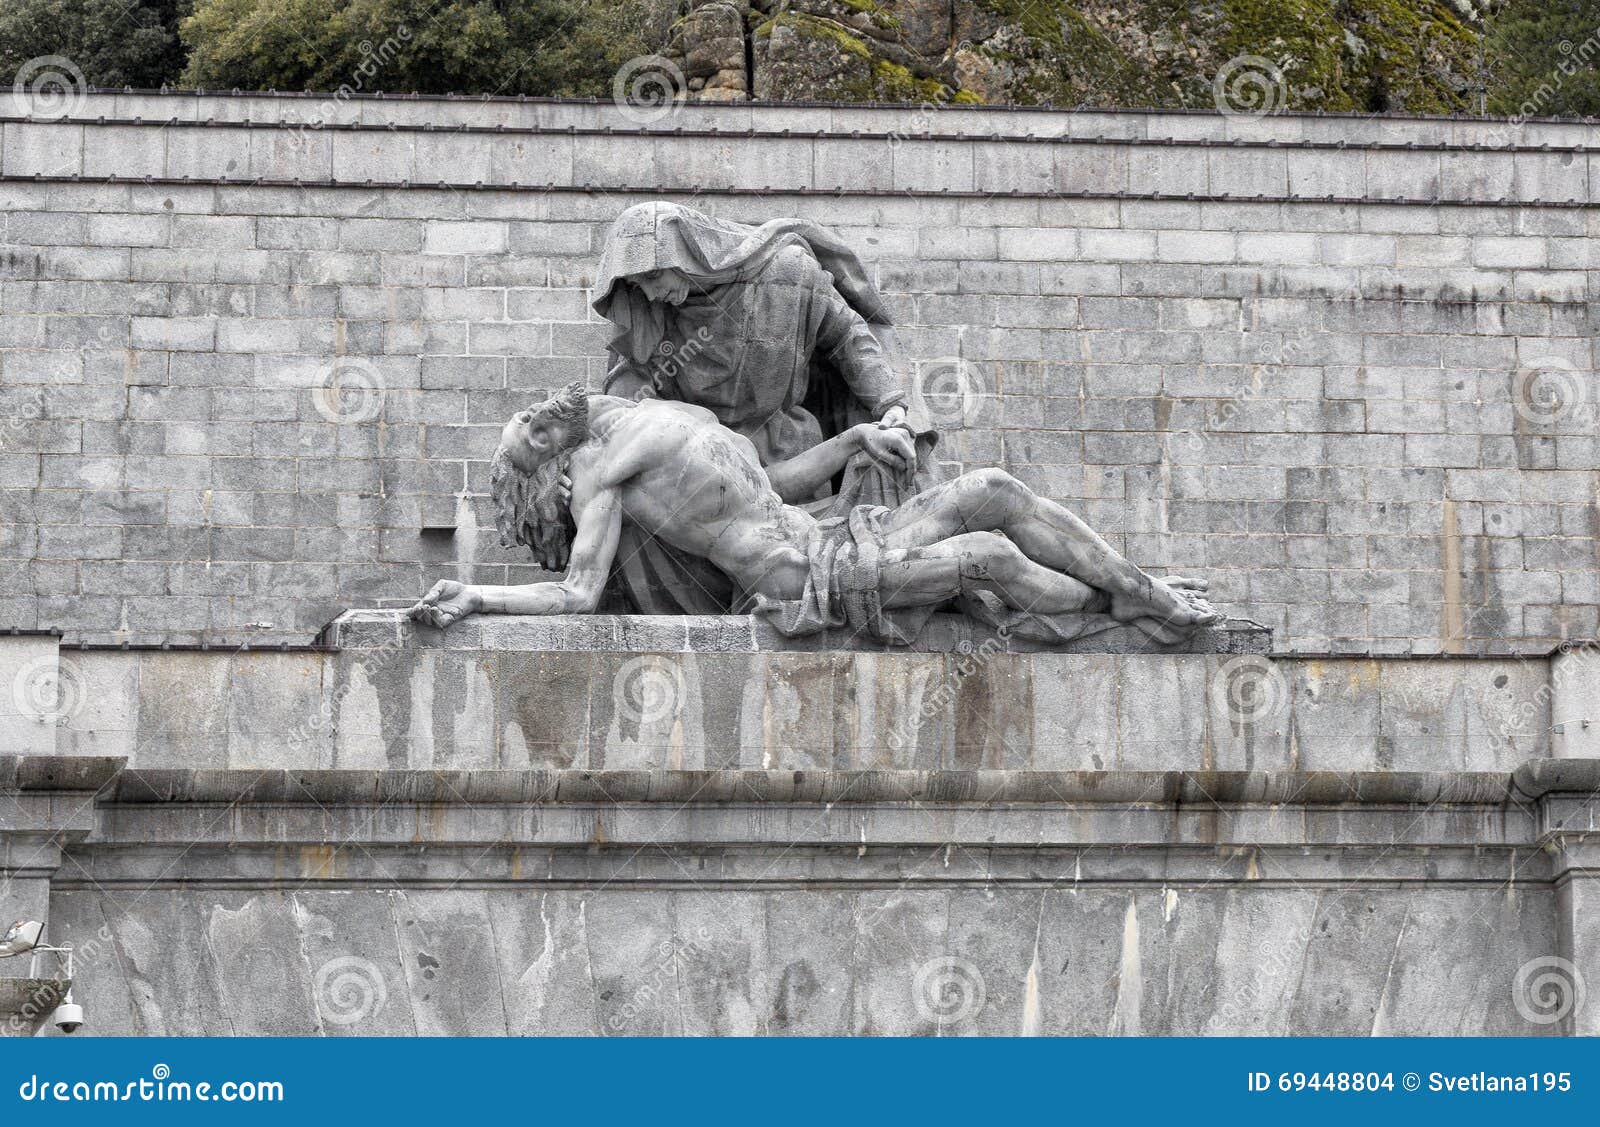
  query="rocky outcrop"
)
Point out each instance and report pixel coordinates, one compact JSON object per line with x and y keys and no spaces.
{"x":710,"y":42}
{"x":1415,"y":55}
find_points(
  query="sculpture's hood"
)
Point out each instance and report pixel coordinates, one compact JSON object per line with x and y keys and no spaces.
{"x":712,"y":252}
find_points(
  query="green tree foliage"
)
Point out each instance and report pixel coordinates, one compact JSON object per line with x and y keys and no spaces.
{"x":422,"y":46}
{"x":1545,"y":58}
{"x":574,"y":48}
{"x":113,"y":42}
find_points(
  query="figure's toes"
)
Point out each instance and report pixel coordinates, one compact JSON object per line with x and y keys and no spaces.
{"x":1187,"y":583}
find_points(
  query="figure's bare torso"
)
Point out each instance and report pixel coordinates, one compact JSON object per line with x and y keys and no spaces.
{"x":699,"y":487}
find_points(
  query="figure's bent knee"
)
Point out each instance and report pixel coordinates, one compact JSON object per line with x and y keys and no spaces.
{"x":993,"y":494}
{"x":990,"y":556}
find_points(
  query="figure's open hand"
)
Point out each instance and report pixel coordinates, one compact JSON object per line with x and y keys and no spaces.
{"x":564,"y":490}
{"x":890,"y":446}
{"x":553,"y":558}
{"x":448,"y":602}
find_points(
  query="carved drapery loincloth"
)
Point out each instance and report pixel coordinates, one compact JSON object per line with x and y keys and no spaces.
{"x":845,"y":558}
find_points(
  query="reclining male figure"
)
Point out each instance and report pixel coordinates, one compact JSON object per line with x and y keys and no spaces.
{"x":674,"y":471}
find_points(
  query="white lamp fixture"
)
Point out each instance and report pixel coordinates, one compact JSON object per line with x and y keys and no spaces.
{"x":22,"y":938}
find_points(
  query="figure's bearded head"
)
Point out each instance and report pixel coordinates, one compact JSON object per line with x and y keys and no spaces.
{"x":547,"y":430}
{"x":525,"y":472}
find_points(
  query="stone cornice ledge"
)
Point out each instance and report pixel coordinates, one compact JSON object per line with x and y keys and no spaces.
{"x":1575,"y":780}
{"x":494,"y":828}
{"x":58,"y":772}
{"x":680,"y":788}
{"x":115,"y":784}
{"x":1540,"y":777}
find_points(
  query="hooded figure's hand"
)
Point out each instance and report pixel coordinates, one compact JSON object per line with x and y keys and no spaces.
{"x":891,"y":447}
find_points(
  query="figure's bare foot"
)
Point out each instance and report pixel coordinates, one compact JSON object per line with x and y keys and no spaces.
{"x":1175,"y":602}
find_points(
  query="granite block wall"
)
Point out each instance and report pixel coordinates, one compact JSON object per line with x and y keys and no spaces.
{"x":251,"y":371}
{"x":1261,"y":961}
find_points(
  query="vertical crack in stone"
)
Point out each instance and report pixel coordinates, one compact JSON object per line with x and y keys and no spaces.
{"x":1380,"y":1018}
{"x":499,"y":968}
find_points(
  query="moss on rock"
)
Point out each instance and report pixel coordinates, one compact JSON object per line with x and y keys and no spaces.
{"x":1335,"y":55}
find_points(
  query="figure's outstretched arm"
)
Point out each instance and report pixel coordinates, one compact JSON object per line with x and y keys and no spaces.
{"x":599,"y":521}
{"x":799,"y":478}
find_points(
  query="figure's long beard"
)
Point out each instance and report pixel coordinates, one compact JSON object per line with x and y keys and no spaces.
{"x":576,"y":436}
{"x":549,"y":520}
{"x":528,"y":506}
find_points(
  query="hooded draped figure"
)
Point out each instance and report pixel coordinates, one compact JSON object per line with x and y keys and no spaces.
{"x":779,"y":333}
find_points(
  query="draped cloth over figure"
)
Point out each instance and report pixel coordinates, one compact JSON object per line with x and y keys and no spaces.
{"x":845,"y":557}
{"x":783,"y":337}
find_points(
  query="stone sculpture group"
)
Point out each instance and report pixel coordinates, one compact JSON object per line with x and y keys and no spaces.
{"x":754,"y":452}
